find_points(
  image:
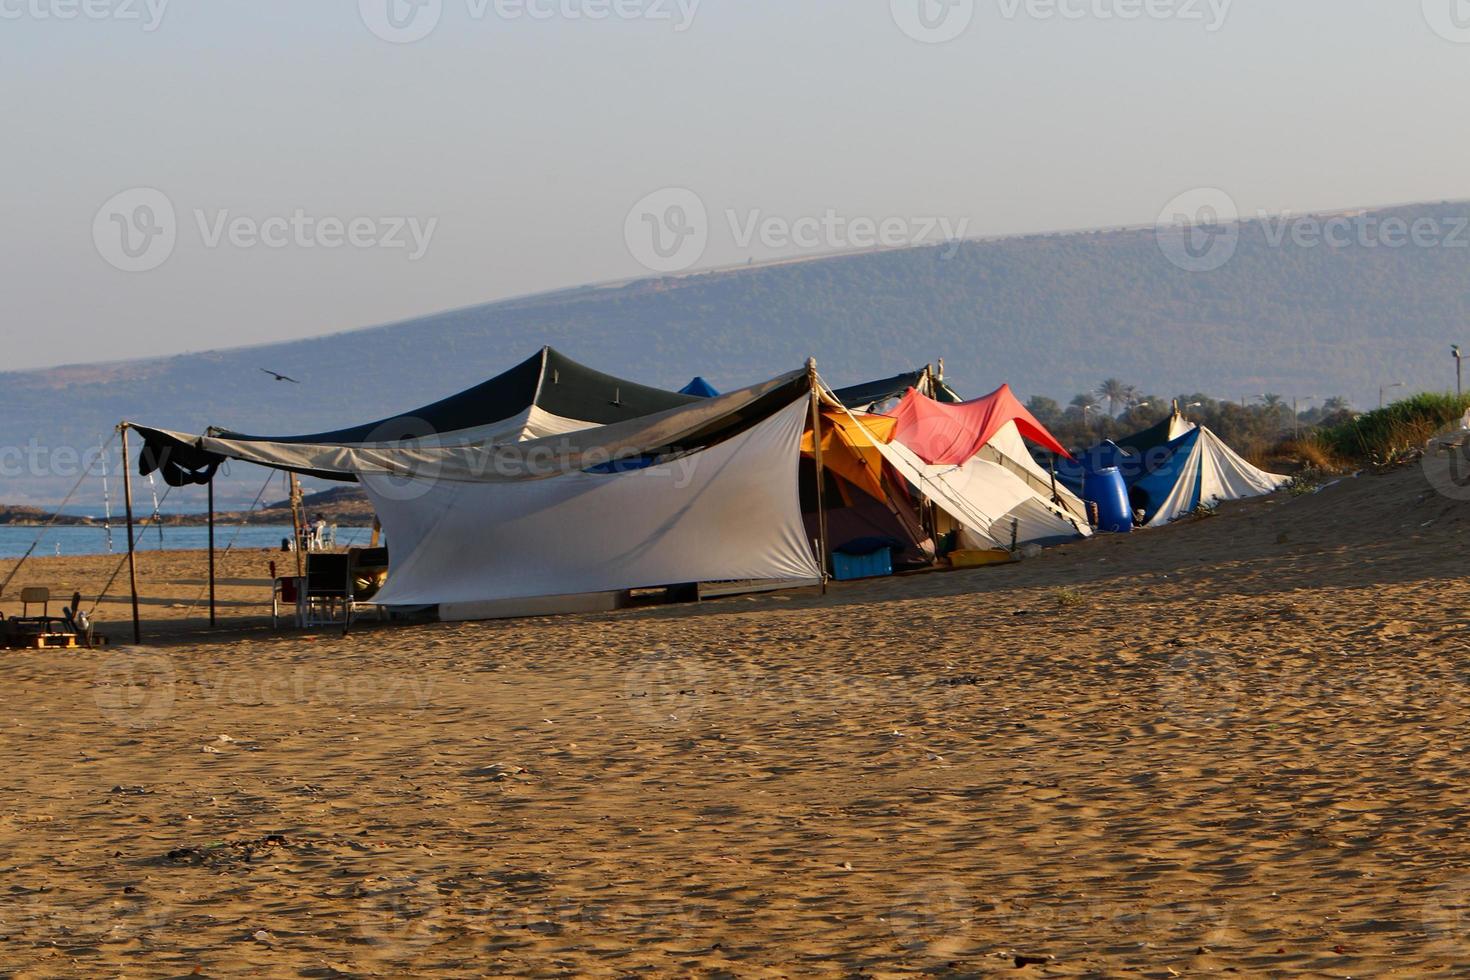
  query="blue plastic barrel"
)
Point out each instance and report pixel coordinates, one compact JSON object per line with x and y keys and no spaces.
{"x":1105,"y":490}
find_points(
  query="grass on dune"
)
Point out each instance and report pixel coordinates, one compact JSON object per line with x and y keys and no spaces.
{"x":1379,"y":437}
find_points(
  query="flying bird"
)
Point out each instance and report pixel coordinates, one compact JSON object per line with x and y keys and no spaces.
{"x":281,"y":377}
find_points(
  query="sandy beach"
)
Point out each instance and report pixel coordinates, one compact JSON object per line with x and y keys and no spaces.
{"x":1234,"y":746}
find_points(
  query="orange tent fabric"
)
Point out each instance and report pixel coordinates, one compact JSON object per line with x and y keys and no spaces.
{"x":950,"y":435}
{"x":847,"y":449}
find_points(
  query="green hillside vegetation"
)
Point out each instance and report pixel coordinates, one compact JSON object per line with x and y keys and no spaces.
{"x":1383,"y":436}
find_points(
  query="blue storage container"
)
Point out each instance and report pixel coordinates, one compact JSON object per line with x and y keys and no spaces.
{"x":1105,"y":490}
{"x":845,"y":568}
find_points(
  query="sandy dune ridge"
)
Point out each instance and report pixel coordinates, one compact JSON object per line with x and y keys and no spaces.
{"x":1235,"y":745}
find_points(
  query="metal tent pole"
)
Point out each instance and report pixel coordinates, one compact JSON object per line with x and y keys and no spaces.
{"x":132,"y":546}
{"x":106,"y":500}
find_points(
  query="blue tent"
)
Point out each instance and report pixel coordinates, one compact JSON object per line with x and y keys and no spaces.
{"x":1167,"y":481}
{"x":1150,"y":477}
{"x":1153,"y":489}
{"x":699,"y":388}
{"x":1072,"y":473}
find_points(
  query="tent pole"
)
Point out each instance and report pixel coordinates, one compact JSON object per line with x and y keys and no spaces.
{"x":296,"y":526}
{"x":213,"y":622}
{"x":132,"y":558}
{"x":811,"y":366}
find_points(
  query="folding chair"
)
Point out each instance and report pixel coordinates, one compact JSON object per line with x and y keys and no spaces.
{"x":327,"y":598}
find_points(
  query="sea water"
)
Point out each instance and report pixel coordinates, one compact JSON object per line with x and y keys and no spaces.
{"x":14,"y":540}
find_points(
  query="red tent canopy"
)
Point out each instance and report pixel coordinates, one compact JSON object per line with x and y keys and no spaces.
{"x":949,"y":435}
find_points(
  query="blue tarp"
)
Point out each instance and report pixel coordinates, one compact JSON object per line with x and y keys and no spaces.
{"x":1150,"y":475}
{"x":1148,"y":492}
{"x":699,"y":388}
{"x":1072,"y":473}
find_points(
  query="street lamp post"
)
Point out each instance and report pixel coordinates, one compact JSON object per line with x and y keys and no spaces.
{"x":1459,"y":372}
{"x":1383,"y":389}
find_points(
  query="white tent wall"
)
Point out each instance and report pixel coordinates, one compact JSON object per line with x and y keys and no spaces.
{"x":732,"y":511}
{"x":1008,"y":448}
{"x":1225,"y":475}
{"x":984,"y":498}
{"x":1183,"y":499}
{"x":1214,"y":473}
{"x":1034,"y":521}
{"x":1032,"y":518}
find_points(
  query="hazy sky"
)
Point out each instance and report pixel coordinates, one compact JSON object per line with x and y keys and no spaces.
{"x":503,"y":152}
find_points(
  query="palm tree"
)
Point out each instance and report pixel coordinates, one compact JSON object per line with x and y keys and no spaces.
{"x":1335,"y":404}
{"x":1115,"y":391}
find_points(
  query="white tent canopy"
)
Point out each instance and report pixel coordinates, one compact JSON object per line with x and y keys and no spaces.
{"x":731,"y":511}
{"x":993,"y":494}
{"x":1211,"y":473}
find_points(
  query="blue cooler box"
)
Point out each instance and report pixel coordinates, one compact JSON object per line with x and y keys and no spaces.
{"x":845,"y":568}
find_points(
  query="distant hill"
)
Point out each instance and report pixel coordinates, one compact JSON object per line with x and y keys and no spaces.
{"x":35,"y":516}
{"x":1051,"y":314}
{"x":344,"y":505}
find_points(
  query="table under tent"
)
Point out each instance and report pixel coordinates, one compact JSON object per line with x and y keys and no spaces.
{"x":1172,"y":468}
{"x":554,"y":487}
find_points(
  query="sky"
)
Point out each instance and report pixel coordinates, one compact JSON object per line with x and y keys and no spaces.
{"x":180,"y":175}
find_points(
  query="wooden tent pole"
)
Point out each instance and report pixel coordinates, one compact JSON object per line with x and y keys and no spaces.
{"x":213,"y":621}
{"x":132,"y":556}
{"x":811,"y":366}
{"x":296,"y":526}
